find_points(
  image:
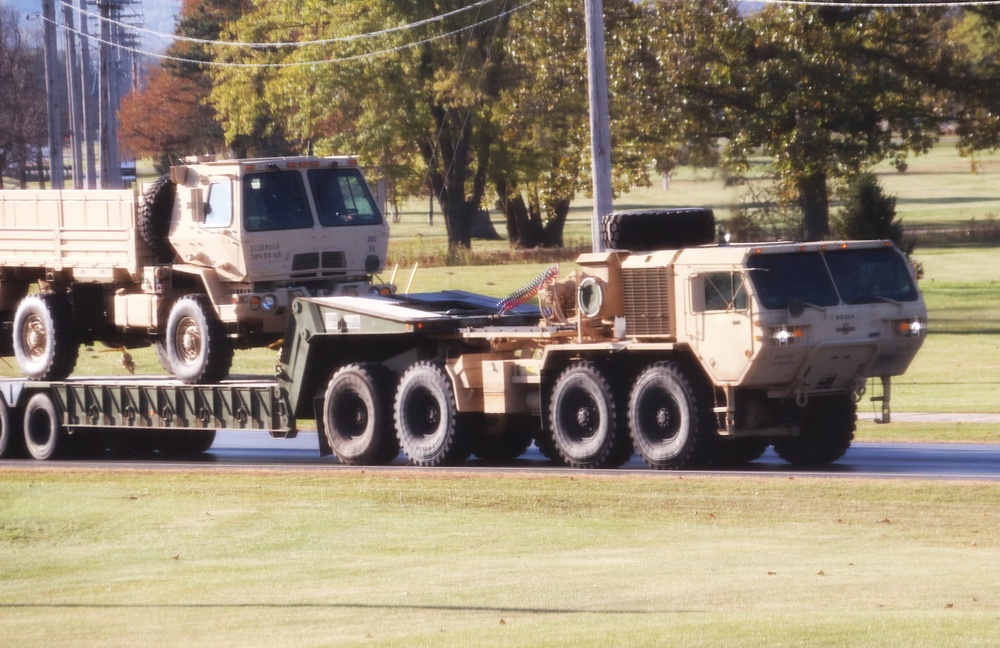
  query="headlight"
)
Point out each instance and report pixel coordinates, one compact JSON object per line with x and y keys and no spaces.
{"x":785,"y":335}
{"x":910,"y":327}
{"x":268,"y":303}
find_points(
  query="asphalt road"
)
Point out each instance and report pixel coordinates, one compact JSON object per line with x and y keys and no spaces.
{"x":928,"y":461}
{"x":235,"y":449}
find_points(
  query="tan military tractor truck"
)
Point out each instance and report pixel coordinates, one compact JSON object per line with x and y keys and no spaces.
{"x":683,"y":350}
{"x":203,"y":261}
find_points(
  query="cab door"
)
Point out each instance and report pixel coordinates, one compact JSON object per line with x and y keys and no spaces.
{"x":723,"y":323}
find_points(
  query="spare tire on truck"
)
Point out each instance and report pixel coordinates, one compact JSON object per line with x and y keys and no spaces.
{"x":155,"y":212}
{"x":658,"y":229}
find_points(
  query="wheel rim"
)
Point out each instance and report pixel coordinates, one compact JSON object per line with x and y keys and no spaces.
{"x":659,"y":416}
{"x":188,"y":341}
{"x":423,"y":413}
{"x":34,"y":337}
{"x":581,"y":416}
{"x":351,"y":416}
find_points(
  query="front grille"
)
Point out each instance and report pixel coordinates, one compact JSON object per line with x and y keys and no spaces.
{"x":314,"y":261}
{"x":334,"y":260}
{"x":647,"y":301}
{"x":307,"y":261}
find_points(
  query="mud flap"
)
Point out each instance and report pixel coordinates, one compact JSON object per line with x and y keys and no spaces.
{"x":324,"y":444}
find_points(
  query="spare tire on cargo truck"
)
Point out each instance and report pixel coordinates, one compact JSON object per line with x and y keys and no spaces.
{"x":658,"y":229}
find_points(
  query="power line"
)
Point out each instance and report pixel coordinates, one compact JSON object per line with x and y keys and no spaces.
{"x":296,"y":44}
{"x":880,"y":5}
{"x":343,"y":59}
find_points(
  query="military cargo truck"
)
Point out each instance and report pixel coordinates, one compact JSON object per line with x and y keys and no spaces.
{"x":688,"y":354}
{"x":205,"y":260}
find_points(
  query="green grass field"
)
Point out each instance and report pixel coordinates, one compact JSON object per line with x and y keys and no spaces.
{"x":384,"y":558}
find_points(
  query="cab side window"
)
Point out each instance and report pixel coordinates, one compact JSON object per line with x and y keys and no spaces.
{"x":724,"y":291}
{"x":219,"y":204}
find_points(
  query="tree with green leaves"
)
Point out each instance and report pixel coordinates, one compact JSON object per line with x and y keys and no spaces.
{"x":823,"y":92}
{"x":420,"y":96}
{"x":170,"y":116}
{"x":867,"y":212}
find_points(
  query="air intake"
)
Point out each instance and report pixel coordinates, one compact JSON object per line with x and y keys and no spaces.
{"x":647,"y":301}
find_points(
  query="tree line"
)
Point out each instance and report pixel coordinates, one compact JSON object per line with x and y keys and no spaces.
{"x":487,"y":105}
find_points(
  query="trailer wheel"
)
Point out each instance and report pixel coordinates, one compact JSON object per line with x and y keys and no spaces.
{"x":502,"y":437}
{"x":11,"y":438}
{"x":45,"y":343}
{"x":44,"y":436}
{"x":584,"y":417}
{"x":197,"y":347}
{"x":357,"y":415}
{"x":427,"y":420}
{"x":668,"y":417}
{"x":183,"y":443}
{"x":658,"y":229}
{"x":154,"y":215}
{"x":826,"y":429}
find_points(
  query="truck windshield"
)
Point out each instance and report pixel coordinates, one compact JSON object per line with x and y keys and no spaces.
{"x":852,"y":276}
{"x":799,"y":276}
{"x":870,"y":275}
{"x":275,"y":200}
{"x":342,"y":198}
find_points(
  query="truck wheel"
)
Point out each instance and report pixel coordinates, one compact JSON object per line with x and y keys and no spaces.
{"x":658,"y":229}
{"x":155,"y":212}
{"x":427,"y":418}
{"x":45,"y":343}
{"x":44,"y":436}
{"x":357,"y":415}
{"x":668,"y":417}
{"x":502,"y":437}
{"x":826,"y":429}
{"x":183,"y":443}
{"x":584,"y":416}
{"x":197,"y":347}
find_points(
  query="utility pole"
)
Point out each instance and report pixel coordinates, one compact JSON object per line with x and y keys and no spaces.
{"x":600,"y":134}
{"x":87,"y":75}
{"x":54,"y":107}
{"x":73,"y":85}
{"x":111,"y":172}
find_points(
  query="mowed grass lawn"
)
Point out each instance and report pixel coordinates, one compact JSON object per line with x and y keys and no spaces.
{"x":385,"y":558}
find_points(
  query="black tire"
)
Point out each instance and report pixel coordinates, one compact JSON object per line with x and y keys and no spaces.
{"x":162,"y":355}
{"x":669,"y":417}
{"x":427,"y":421}
{"x":826,"y":430}
{"x":154,"y":215}
{"x":357,"y":415}
{"x":502,"y":437}
{"x":738,"y":452}
{"x":658,"y":229}
{"x":584,"y":416}
{"x":198,"y":349}
{"x":183,"y":443}
{"x":44,"y":436}
{"x":45,"y":342}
